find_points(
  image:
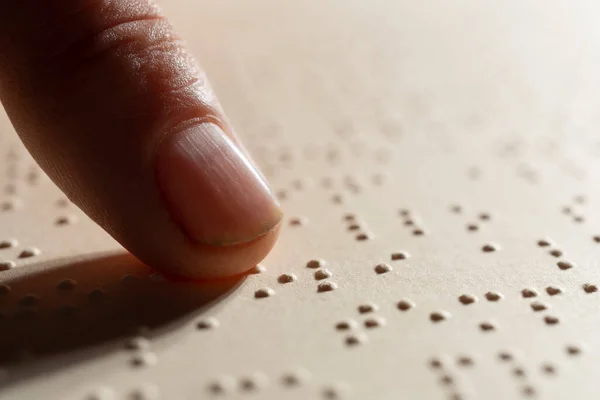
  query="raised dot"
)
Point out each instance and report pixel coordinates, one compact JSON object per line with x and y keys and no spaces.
{"x":400,"y":255}
{"x":550,"y":320}
{"x":254,"y":382}
{"x":404,"y":212}
{"x":493,"y":296}
{"x":354,"y":227}
{"x":336,"y":392}
{"x":383,"y":268}
{"x":439,"y":316}
{"x":102,"y":393}
{"x":137,"y":343}
{"x":367,"y":308}
{"x":467,"y":299}
{"x":519,"y":372}
{"x":573,"y":350}
{"x":579,"y":219}
{"x":489,"y":248}
{"x":207,"y":323}
{"x":472,"y":227}
{"x":316,"y":263}
{"x":374,"y":322}
{"x":145,"y":359}
{"x":456,"y":209}
{"x":281,"y":195}
{"x":456,"y":396}
{"x":298,"y":221}
{"x":286,"y":278}
{"x":66,"y":284}
{"x":6,"y":265}
{"x":418,"y":232}
{"x":544,"y":243}
{"x":322,"y":274}
{"x":435,"y":363}
{"x":405,"y":305}
{"x":30,"y":252}
{"x":263,"y":293}
{"x":356,"y":339}
{"x":326,"y":287}
{"x":487,"y":326}
{"x":4,"y":289}
{"x":8,"y":243}
{"x":336,"y":199}
{"x":296,"y":377}
{"x":505,"y":356}
{"x":567,"y":210}
{"x":346,"y":325}
{"x":555,"y":253}
{"x":554,"y":290}
{"x":446,"y":380}
{"x":145,"y":392}
{"x":548,"y":369}
{"x":409,"y":222}
{"x":66,"y":311}
{"x":589,"y":288}
{"x":529,"y":391}
{"x":465,"y":361}
{"x":537,"y":306}
{"x":29,"y":300}
{"x":258,"y":269}
{"x":349,"y":217}
{"x":484,"y":216}
{"x":528,"y":293}
{"x":222,"y":385}
{"x":361,"y":237}
{"x":97,"y":294}
{"x":564,"y":265}
{"x":596,"y":238}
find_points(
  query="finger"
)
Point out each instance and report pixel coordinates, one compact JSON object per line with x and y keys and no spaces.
{"x":109,"y":102}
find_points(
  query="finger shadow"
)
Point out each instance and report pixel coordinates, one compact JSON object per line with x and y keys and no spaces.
{"x":69,"y":311}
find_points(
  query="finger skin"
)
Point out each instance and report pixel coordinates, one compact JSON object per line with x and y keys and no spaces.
{"x":93,"y":88}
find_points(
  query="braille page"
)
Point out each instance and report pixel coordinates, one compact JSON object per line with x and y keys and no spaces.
{"x":439,"y":165}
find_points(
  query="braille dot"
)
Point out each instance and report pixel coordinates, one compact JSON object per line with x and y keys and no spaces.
{"x":335,"y":392}
{"x":129,"y":279}
{"x":489,"y":248}
{"x":316,"y":263}
{"x":439,"y":316}
{"x":564,"y":265}
{"x":404,"y":213}
{"x":30,"y":252}
{"x":222,"y":385}
{"x":258,"y":269}
{"x":346,"y":325}
{"x":4,"y":289}
{"x":504,"y":356}
{"x":353,"y":227}
{"x":349,"y":217}
{"x":97,"y":294}
{"x":6,"y":265}
{"x":207,"y":323}
{"x":137,"y":343}
{"x":322,"y":274}
{"x":254,"y":382}
{"x":8,"y":243}
{"x":550,"y":320}
{"x":409,"y":222}
{"x":472,"y":227}
{"x":263,"y":293}
{"x":336,"y":199}
{"x":362,"y":237}
{"x":456,"y":209}
{"x":418,"y":232}
{"x":286,"y":278}
{"x":566,"y":210}
{"x":64,"y":220}
{"x":435,"y":363}
{"x":66,"y":311}
{"x":66,"y":284}
{"x":296,"y":377}
{"x":326,"y":287}
{"x":573,"y":350}
{"x":465,"y":361}
{"x":356,"y":339}
{"x":405,"y":305}
{"x":29,"y":300}
{"x":467,"y":299}
{"x":446,"y":380}
{"x":589,"y":288}
{"x":537,"y":306}
{"x":102,"y":393}
{"x":543,"y":243}
{"x":555,"y":253}
{"x":528,"y":293}
{"x":400,"y":255}
{"x":596,"y":238}
{"x":382,"y":268}
{"x":367,"y":308}
{"x":579,"y":219}
{"x":484,"y":216}
{"x":374,"y":322}
{"x":145,"y":359}
{"x":554,"y":290}
{"x":529,"y":391}
{"x":519,"y":372}
{"x":456,"y":396}
{"x":493,"y":296}
{"x":548,"y":369}
{"x":281,"y":195}
{"x":62,"y":203}
{"x":145,"y":392}
{"x":487,"y":326}
{"x":298,"y":221}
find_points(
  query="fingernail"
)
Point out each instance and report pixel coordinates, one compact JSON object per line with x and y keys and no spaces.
{"x":212,"y":190}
